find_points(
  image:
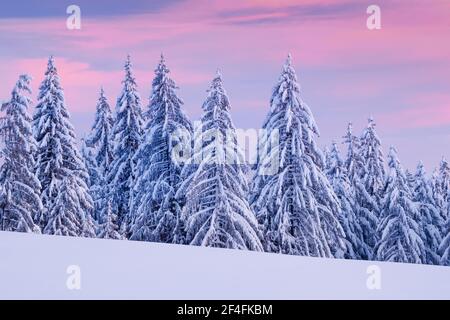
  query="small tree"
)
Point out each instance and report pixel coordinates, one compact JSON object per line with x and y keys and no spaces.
{"x":69,"y":215}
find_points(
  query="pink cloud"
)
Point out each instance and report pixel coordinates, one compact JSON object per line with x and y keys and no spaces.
{"x":429,"y":110}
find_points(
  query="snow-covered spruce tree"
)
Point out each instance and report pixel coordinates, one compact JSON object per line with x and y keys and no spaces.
{"x":89,"y":163}
{"x":368,"y":174}
{"x":70,"y":212}
{"x":444,"y":187}
{"x":108,"y":228}
{"x":327,"y":156}
{"x":216,"y":213}
{"x":100,"y":137}
{"x":442,"y":192}
{"x":430,"y":220}
{"x":353,"y":161}
{"x":20,"y":193}
{"x":400,"y":239}
{"x":444,"y":247}
{"x":373,"y":173}
{"x":58,"y":160}
{"x":436,"y":191}
{"x":410,"y":178}
{"x":337,"y":174}
{"x":295,"y":203}
{"x":99,"y":144}
{"x":157,"y":171}
{"x":127,"y":132}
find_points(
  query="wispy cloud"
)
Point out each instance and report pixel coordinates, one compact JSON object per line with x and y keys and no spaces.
{"x":92,"y":9}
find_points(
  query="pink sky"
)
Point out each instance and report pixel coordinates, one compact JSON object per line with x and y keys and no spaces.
{"x":399,"y":74}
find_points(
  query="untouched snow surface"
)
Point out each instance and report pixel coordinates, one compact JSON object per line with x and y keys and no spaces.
{"x":35,"y":266}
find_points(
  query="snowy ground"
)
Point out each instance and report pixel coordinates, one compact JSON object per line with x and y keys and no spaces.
{"x":35,"y":266}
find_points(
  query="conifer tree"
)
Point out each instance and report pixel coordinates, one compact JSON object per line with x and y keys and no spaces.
{"x":368,"y":181}
{"x":337,"y":174}
{"x":127,"y":132}
{"x":429,"y":219}
{"x":59,"y":165}
{"x":157,"y":169}
{"x":20,"y":193}
{"x":70,"y":212}
{"x":400,"y":239}
{"x":217,"y":213}
{"x":295,"y":204}
{"x":109,"y":228}
{"x":100,"y":154}
{"x":444,"y":187}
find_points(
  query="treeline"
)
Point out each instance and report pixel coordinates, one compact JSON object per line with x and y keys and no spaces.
{"x":150,"y":175}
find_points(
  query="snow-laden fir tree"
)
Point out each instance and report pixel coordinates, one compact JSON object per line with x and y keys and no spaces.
{"x":58,"y":162}
{"x":216,"y":213}
{"x":327,"y":156}
{"x":410,"y":178}
{"x":89,"y":163}
{"x":157,"y":169}
{"x":368,"y":174}
{"x":436,"y":191}
{"x":444,"y":247}
{"x":93,"y":178}
{"x":100,"y":153}
{"x":127,"y":132}
{"x":20,"y":193}
{"x":100,"y":137}
{"x":353,"y":162}
{"x":400,"y":239}
{"x":442,"y":192}
{"x":108,"y":228}
{"x":295,"y":203}
{"x":444,"y":187}
{"x":337,"y":174}
{"x":373,"y":173}
{"x":70,"y":212}
{"x":366,"y":219}
{"x":430,"y":220}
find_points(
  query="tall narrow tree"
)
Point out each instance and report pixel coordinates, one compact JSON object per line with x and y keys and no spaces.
{"x":127,"y":132}
{"x":400,"y":239}
{"x":337,"y":174}
{"x":353,"y":161}
{"x":430,"y":220}
{"x":444,"y":247}
{"x":373,"y":173}
{"x":217,"y":213}
{"x":295,"y":203}
{"x":20,"y":199}
{"x":59,"y":165}
{"x":444,"y":187}
{"x":99,"y":143}
{"x":156,"y":211}
{"x":366,"y":219}
{"x":108,"y":228}
{"x":368,"y":184}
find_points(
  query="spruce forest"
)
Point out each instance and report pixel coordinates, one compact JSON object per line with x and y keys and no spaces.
{"x":122,"y":181}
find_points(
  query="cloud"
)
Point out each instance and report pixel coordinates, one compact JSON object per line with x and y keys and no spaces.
{"x":89,"y":8}
{"x":424,"y":110}
{"x":291,"y":13}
